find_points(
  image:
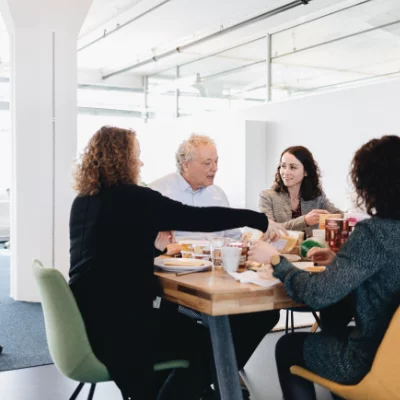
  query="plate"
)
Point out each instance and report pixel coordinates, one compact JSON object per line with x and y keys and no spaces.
{"x":181,"y":264}
{"x":309,"y":267}
{"x":303,"y":264}
{"x":292,"y":257}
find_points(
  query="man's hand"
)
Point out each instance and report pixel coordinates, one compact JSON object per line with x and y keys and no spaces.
{"x":162,"y":240}
{"x":321,"y":256}
{"x":262,"y":252}
{"x":274,"y":231}
{"x":312,"y":218}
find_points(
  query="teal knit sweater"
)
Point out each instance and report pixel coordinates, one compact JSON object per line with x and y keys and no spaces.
{"x":368,"y":269}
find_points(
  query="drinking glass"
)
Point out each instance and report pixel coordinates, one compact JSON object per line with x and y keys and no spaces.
{"x":216,"y":244}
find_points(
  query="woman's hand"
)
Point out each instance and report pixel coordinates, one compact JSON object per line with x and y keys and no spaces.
{"x":274,"y":230}
{"x":262,"y":252}
{"x":162,"y":240}
{"x":321,"y":256}
{"x":312,"y":218}
{"x":172,"y":249}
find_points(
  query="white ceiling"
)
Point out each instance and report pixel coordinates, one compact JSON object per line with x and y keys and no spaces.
{"x":299,"y":61}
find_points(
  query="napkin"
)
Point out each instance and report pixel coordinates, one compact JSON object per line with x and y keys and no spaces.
{"x":252,"y":277}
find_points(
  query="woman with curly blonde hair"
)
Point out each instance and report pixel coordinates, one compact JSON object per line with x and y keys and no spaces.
{"x":114,"y":226}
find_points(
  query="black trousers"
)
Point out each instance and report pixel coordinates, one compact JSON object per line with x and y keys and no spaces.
{"x":259,"y":324}
{"x":248,"y":330}
{"x":289,"y":351}
{"x":129,"y":345}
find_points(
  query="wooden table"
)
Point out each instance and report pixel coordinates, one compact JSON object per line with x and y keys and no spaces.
{"x":216,"y":295}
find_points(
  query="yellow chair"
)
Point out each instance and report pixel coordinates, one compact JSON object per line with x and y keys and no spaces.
{"x":381,"y":383}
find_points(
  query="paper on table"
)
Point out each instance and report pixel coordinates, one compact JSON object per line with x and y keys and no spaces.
{"x":252,"y":277}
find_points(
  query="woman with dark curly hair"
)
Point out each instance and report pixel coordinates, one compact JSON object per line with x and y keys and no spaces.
{"x":114,"y":226}
{"x":296,"y":199}
{"x":362,"y":280}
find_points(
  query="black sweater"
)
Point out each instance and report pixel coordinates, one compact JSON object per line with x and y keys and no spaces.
{"x":112,"y":238}
{"x":113,"y":232}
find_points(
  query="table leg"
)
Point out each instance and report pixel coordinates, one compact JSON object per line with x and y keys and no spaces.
{"x":227,"y":384}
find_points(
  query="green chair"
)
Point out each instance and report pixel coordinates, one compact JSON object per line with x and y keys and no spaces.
{"x":66,"y":334}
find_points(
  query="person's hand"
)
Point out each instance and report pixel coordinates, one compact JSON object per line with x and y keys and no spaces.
{"x":261,"y":252}
{"x":162,"y":240}
{"x":274,"y":231}
{"x":312,"y":218}
{"x":172,"y":249}
{"x":321,"y":256}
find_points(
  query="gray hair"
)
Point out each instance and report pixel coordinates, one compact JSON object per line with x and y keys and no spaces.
{"x":186,"y":149}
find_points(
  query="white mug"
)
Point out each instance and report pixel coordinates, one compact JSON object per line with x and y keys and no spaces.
{"x":231,"y":258}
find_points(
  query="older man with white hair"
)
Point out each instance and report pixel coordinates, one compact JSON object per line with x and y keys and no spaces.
{"x":193,"y":184}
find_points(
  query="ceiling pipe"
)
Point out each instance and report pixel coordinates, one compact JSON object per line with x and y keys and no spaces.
{"x":217,"y":53}
{"x":119,"y":27}
{"x":186,"y":46}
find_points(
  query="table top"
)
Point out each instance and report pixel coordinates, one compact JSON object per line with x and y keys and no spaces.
{"x":217,"y":293}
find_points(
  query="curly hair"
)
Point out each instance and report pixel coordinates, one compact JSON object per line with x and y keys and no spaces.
{"x":375,"y":173}
{"x":311,"y":184}
{"x":185,"y":150}
{"x":110,"y":158}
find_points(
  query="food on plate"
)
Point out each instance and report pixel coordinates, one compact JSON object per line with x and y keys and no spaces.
{"x":185,"y":262}
{"x":254,"y":265}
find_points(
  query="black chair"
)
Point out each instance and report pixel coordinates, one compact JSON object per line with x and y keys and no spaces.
{"x":290,"y":311}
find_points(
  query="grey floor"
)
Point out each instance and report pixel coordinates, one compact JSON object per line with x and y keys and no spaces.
{"x":46,"y":383}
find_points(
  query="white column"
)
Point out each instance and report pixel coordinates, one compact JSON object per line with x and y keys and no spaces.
{"x":44,"y":115}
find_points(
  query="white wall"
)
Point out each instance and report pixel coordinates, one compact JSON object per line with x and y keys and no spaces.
{"x":333,"y":125}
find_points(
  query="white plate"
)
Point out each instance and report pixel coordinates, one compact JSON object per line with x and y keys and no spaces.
{"x":292,"y":257}
{"x":159,"y":262}
{"x":303,"y":265}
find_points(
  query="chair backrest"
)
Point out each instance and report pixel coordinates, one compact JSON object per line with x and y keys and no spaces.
{"x":386,"y":366}
{"x":65,"y":330}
